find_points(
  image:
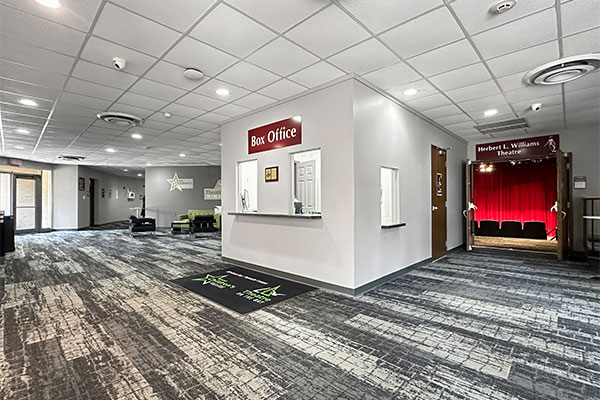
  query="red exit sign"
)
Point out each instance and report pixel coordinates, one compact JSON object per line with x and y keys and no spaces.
{"x":287,"y":132}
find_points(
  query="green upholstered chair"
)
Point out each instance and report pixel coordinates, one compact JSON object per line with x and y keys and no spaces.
{"x":186,"y":218}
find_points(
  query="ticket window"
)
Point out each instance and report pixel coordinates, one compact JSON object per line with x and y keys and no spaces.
{"x":390,"y":196}
{"x":306,"y":182}
{"x":247,"y":187}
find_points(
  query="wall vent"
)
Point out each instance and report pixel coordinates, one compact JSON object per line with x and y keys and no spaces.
{"x":501,"y":126}
{"x":71,"y":158}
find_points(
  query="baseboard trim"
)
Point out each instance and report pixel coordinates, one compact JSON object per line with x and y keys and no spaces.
{"x":325,"y":285}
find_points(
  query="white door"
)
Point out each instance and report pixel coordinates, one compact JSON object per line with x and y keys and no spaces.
{"x":305,"y":185}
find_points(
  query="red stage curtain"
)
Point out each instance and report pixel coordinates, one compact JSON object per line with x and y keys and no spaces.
{"x":523,"y":192}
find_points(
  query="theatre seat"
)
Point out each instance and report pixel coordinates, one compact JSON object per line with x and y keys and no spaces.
{"x":488,"y":228}
{"x":534,"y":230}
{"x":511,"y":229}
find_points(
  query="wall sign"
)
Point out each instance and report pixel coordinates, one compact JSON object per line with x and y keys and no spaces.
{"x":540,"y":146}
{"x":579,"y":182}
{"x":81,"y":184}
{"x":287,"y":132}
{"x":272,"y":174}
{"x":213,"y":193}
{"x":180,"y":184}
{"x":438,"y":184}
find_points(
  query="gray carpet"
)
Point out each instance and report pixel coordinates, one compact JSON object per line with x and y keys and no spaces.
{"x":91,"y":315}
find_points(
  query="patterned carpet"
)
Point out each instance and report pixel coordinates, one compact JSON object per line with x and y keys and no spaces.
{"x":91,"y":315}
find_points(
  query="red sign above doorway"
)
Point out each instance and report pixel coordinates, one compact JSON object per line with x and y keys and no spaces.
{"x":287,"y":132}
{"x":541,"y":146}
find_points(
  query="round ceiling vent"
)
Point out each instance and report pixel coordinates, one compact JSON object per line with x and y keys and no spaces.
{"x":563,"y":70}
{"x":71,"y":158}
{"x":193,"y":74}
{"x":121,"y":119}
{"x":502,"y":6}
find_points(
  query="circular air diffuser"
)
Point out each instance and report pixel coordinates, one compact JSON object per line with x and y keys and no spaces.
{"x":563,"y":70}
{"x":121,"y":119}
{"x":71,"y":158}
{"x":502,"y":6}
{"x":193,"y":74}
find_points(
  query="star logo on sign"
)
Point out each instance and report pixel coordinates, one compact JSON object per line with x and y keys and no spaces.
{"x":175,"y":183}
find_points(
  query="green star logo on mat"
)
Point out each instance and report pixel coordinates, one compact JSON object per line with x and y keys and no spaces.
{"x":263,"y":294}
{"x":214,"y":280}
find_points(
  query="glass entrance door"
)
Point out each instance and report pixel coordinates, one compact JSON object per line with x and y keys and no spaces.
{"x":27,"y":216}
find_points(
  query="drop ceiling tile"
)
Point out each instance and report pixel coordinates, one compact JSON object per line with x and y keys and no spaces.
{"x":32,"y":30}
{"x":484,"y":103}
{"x":590,"y":94}
{"x":278,"y":14}
{"x":475,"y":15}
{"x":183,"y":111}
{"x":311,"y":33}
{"x":435,"y":29}
{"x":482,"y":89}
{"x":364,"y":57}
{"x":464,"y":76}
{"x":129,"y":109}
{"x":461,"y":127}
{"x":66,"y":108}
{"x":282,"y":89}
{"x":550,"y":113}
{"x":131,"y":30}
{"x":454,"y":119}
{"x":102,"y":75}
{"x":393,"y":75}
{"x":78,"y":86}
{"x":199,"y":125}
{"x":23,"y":110}
{"x":22,"y":53}
{"x":248,"y":76}
{"x":232,"y":110}
{"x":172,"y":75}
{"x":548,"y":101}
{"x":580,"y":15}
{"x":84,"y":101}
{"x":441,"y":112}
{"x":517,"y":35}
{"x":210,"y":88}
{"x":231,"y":31}
{"x":13,"y":97}
{"x":102,"y":52}
{"x":532,"y":93}
{"x":504,"y":113}
{"x":254,"y":101}
{"x":524,"y":60}
{"x":587,"y":81}
{"x":157,"y":90}
{"x":159,"y":118}
{"x":199,"y":101}
{"x":192,"y":53}
{"x":424,"y":89}
{"x":34,"y":76}
{"x":582,"y":43}
{"x":445,"y":58}
{"x":77,"y":14}
{"x":213,"y":118}
{"x":282,"y":57}
{"x":177,"y":14}
{"x":317,"y":74}
{"x":429,"y":102}
{"x":512,"y":82}
{"x":138,"y":100}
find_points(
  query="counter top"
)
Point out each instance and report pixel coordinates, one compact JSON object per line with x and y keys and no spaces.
{"x":398,"y":225}
{"x":299,"y":216}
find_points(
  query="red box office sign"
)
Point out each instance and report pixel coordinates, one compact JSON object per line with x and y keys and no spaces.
{"x":541,"y":146}
{"x":287,"y":132}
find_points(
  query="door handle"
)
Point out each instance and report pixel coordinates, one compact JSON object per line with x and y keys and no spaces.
{"x":433,"y":208}
{"x":465,"y":214}
{"x":564,"y":215}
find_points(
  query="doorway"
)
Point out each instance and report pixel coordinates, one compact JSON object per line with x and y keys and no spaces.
{"x":27,"y":201}
{"x":438,"y":202}
{"x":305,"y":185}
{"x":92,"y":202}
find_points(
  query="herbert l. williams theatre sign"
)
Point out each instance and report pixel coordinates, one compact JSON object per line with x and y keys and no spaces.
{"x":287,"y":132}
{"x":541,"y":146}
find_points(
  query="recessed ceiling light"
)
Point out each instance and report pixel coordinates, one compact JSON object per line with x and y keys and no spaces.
{"x":21,"y":130}
{"x":297,"y":118}
{"x":125,"y":170}
{"x":223,"y":92}
{"x":136,"y":136}
{"x":50,"y":3}
{"x":491,"y":112}
{"x":110,"y":150}
{"x":139,"y":174}
{"x":28,"y":102}
{"x":181,"y":154}
{"x":148,"y":164}
{"x":19,"y":147}
{"x":410,"y":92}
{"x":167,"y":115}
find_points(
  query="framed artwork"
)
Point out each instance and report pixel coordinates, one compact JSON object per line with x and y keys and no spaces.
{"x":272,"y":174}
{"x":110,"y":193}
{"x":102,"y":192}
{"x":81,"y":184}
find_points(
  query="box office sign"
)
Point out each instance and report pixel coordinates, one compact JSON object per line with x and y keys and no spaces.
{"x":287,"y":132}
{"x":540,"y":146}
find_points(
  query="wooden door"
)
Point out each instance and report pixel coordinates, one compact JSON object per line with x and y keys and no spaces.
{"x":305,"y":185}
{"x":469,"y":211}
{"x":562,"y":211}
{"x":92,"y":202}
{"x":438,"y":202}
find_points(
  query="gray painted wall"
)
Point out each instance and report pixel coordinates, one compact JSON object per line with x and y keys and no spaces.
{"x":107,"y":209}
{"x":64,"y":199}
{"x":165,"y":205}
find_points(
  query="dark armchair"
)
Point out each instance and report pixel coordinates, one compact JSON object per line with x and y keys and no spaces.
{"x":137,"y":225}
{"x":203,"y":224}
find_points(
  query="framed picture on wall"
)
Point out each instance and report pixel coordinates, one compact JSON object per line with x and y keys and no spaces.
{"x":110,"y":193}
{"x":81,"y":184}
{"x":272,"y":174}
{"x":102,"y":192}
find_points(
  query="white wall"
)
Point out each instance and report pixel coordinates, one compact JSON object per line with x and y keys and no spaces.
{"x":318,"y":249}
{"x":64,"y":199}
{"x":387,"y":135}
{"x":584,"y":143}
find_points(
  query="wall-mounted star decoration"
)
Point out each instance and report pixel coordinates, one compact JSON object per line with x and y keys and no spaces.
{"x":175,"y":183}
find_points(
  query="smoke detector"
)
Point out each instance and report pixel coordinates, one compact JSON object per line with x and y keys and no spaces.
{"x":502,"y":6}
{"x":71,"y":158}
{"x":119,"y":118}
{"x":563,"y":70}
{"x":193,"y":74}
